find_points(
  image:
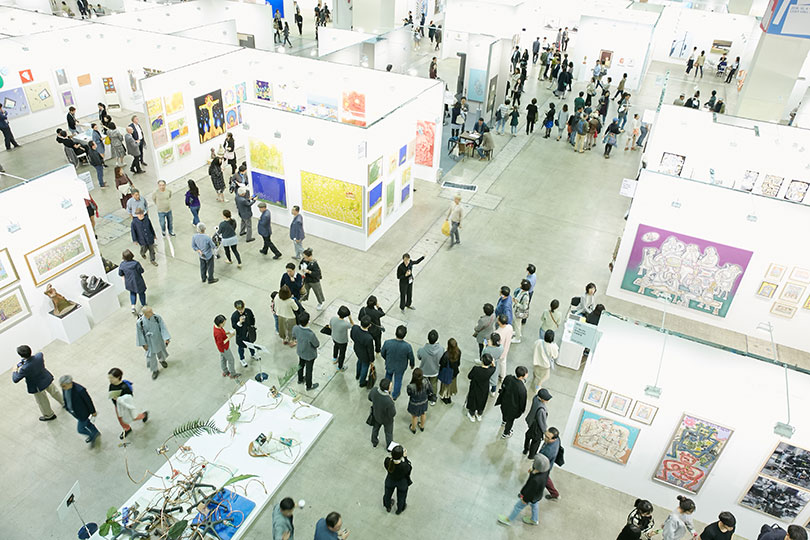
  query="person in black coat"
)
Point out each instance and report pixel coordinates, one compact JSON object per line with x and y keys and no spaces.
{"x":383,"y":412}
{"x":374,"y":313}
{"x":512,"y":399}
{"x":537,"y":423}
{"x":244,"y":324}
{"x":143,"y":234}
{"x":478,"y":393}
{"x":398,"y":469}
{"x":363,"y":349}
{"x":405,"y":277}
{"x":530,"y":493}
{"x":38,"y":381}
{"x":78,"y":403}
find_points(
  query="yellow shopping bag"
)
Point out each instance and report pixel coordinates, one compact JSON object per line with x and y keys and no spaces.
{"x":446,"y":228}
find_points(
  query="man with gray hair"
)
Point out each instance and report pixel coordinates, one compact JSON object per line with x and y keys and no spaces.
{"x":134,"y":150}
{"x":151,"y":334}
{"x":205,"y":247}
{"x":137,"y":201}
{"x":243,"y":203}
{"x":78,"y":403}
{"x":143,"y":234}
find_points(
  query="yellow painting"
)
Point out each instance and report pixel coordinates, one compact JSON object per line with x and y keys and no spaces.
{"x":154,"y":107}
{"x":332,"y":199}
{"x":174,"y":103}
{"x":406,"y":176}
{"x":266,"y":158}
{"x":374,"y":221}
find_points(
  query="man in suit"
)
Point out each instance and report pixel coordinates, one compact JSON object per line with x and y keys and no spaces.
{"x":79,"y":404}
{"x":512,"y":399}
{"x":297,"y":232}
{"x":97,"y":162}
{"x":405,"y":277}
{"x":243,"y":202}
{"x":133,"y":149}
{"x":84,"y":9}
{"x":536,"y":50}
{"x":363,"y":349}
{"x":38,"y":380}
{"x":383,"y":412}
{"x":143,"y":234}
{"x":139,"y":138}
{"x":265,"y":230}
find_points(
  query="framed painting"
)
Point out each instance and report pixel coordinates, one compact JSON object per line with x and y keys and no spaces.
{"x":771,"y":185}
{"x":789,"y":464}
{"x":263,"y":90}
{"x":792,"y":292}
{"x":775,"y":272}
{"x":403,"y":154}
{"x":183,"y":149}
{"x":605,"y":437}
{"x":796,"y":190}
{"x":8,"y":274}
{"x":39,"y":96}
{"x":806,"y":303}
{"x":159,"y":138}
{"x":390,"y":191}
{"x":476,"y":85}
{"x":154,"y":108}
{"x":375,"y":195}
{"x":13,"y":308}
{"x":425,"y":142}
{"x":178,"y":128}
{"x":406,"y":193}
{"x":210,"y":115}
{"x":166,"y":155}
{"x":174,"y":103}
{"x":157,"y":122}
{"x":618,"y":404}
{"x":605,"y":57}
{"x":692,"y":453}
{"x":800,"y":274}
{"x":594,"y":395}
{"x":783,"y":310}
{"x":353,"y":108}
{"x":672,"y":163}
{"x":749,"y":180}
{"x":773,"y":498}
{"x":59,"y":255}
{"x":61,"y":77}
{"x":266,"y":157}
{"x":767,"y":289}
{"x":643,"y":412}
{"x":374,"y":220}
{"x":375,"y":170}
{"x":14,"y":102}
{"x":269,"y":189}
{"x":332,"y":199}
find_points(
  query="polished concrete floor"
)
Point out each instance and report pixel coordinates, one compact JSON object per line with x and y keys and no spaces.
{"x":538,"y":202}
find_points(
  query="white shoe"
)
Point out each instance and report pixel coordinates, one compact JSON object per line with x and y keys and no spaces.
{"x":319,"y":307}
{"x":244,"y":364}
{"x":471,"y":417}
{"x":478,"y":417}
{"x":515,"y":340}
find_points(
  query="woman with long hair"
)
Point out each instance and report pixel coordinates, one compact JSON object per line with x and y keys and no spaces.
{"x":215,"y":172}
{"x":123,"y":184}
{"x":448,"y":371}
{"x":286,"y":308}
{"x":230,"y":151}
{"x":227,"y":230}
{"x":117,"y":148}
{"x":419,"y":392}
{"x":680,"y":520}
{"x":398,"y":476}
{"x":193,"y":201}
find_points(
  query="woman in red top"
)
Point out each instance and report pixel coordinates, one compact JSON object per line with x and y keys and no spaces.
{"x":223,"y":341}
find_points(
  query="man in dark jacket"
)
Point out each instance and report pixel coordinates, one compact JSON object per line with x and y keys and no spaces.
{"x":311,"y":271}
{"x":530,"y":493}
{"x":243,"y":203}
{"x":536,"y":419}
{"x":398,"y":354}
{"x":97,"y":162}
{"x":6,"y":129}
{"x":794,"y":532}
{"x":38,"y":380}
{"x":143,"y":234}
{"x":244,"y":324}
{"x":405,"y":277}
{"x":363,"y":349}
{"x":79,"y":404}
{"x":293,"y":280}
{"x":512,"y":399}
{"x":383,"y":412}
{"x":297,"y":232}
{"x":550,"y":449}
{"x":265,"y":230}
{"x":307,"y":349}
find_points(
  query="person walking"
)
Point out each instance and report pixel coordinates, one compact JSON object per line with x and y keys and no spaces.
{"x":512,"y":399}
{"x":132,"y":272}
{"x":514,"y":115}
{"x":5,"y":127}
{"x":611,"y":134}
{"x":80,"y":405}
{"x":329,"y":528}
{"x":137,"y":201}
{"x":448,"y":371}
{"x":134,"y":150}
{"x":548,"y":121}
{"x":339,"y":328}
{"x":420,"y":393}
{"x":679,"y":522}
{"x":382,"y":413}
{"x":286,"y":309}
{"x":531,"y":116}
{"x":38,"y":381}
{"x":363,"y":346}
{"x":699,"y":61}
{"x":307,"y":348}
{"x":454,"y":215}
{"x":733,"y":70}
{"x":152,"y":334}
{"x":537,"y":421}
{"x":193,"y":202}
{"x":433,"y":68}
{"x":120,"y":393}
{"x":118,"y":149}
{"x":398,"y":355}
{"x":375,"y":313}
{"x":398,"y":477}
{"x":405,"y":277}
{"x":243,"y":323}
{"x":143,"y":234}
{"x":227,"y":232}
{"x":553,"y":451}
{"x":311,"y":270}
{"x":478,"y":392}
{"x":283,"y":513}
{"x":521,"y":309}
{"x":217,"y":179}
{"x":438,"y":36}
{"x":531,"y":493}
{"x":429,"y":355}
{"x":162,"y":199}
{"x":484,"y":327}
{"x":297,"y":232}
{"x":243,"y":202}
{"x":265,"y":230}
{"x":204,"y":246}
{"x":97,"y":162}
{"x":543,"y":358}
{"x":500,"y":116}
{"x":222,"y":338}
{"x":640,"y":522}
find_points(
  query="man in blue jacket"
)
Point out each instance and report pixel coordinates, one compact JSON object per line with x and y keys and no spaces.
{"x":143,"y":234}
{"x":504,"y":305}
{"x":265,"y":230}
{"x":297,"y":232}
{"x":550,"y":449}
{"x":79,"y":404}
{"x":397,"y":354}
{"x":38,"y":380}
{"x":283,"y":519}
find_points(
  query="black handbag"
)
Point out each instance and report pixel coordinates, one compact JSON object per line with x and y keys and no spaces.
{"x":370,"y":419}
{"x":250,"y":335}
{"x":560,"y":459}
{"x":326,"y":330}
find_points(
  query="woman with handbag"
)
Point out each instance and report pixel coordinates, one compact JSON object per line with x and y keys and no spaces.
{"x":227,"y":232}
{"x":117,"y":148}
{"x":448,"y":371}
{"x":123,"y":184}
{"x":230,"y":151}
{"x":286,"y":309}
{"x":611,"y":134}
{"x":419,"y":393}
{"x":521,"y":308}
{"x":398,"y":476}
{"x":373,"y":312}
{"x":218,"y":181}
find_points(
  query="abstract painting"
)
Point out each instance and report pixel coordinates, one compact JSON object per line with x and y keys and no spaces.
{"x":67,"y":98}
{"x":178,"y":128}
{"x":689,"y":272}
{"x":153,"y":107}
{"x":14,"y":102}
{"x":109,"y":85}
{"x":323,"y":107}
{"x":618,"y":404}
{"x":789,"y":464}
{"x":353,"y":108}
{"x":374,"y":220}
{"x":241,"y":92}
{"x":770,"y":186}
{"x":605,"y":437}
{"x":375,"y":170}
{"x":39,"y":96}
{"x":425,"y":142}
{"x":266,"y":157}
{"x":796,"y":190}
{"x":784,"y":310}
{"x":157,"y":122}
{"x":13,"y":308}
{"x":26,"y":76}
{"x":59,"y":255}
{"x":231,"y":118}
{"x":767,"y":289}
{"x":477,"y":85}
{"x":594,"y":395}
{"x":374,"y":196}
{"x":269,"y":189}
{"x":605,"y":57}
{"x":692,"y":452}
{"x":406,"y":193}
{"x":672,"y":164}
{"x":61,"y":77}
{"x":644,"y":413}
{"x":174,"y":103}
{"x":775,"y":499}
{"x":390,"y":190}
{"x":210,"y":115}
{"x":411,"y":149}
{"x":792,"y":292}
{"x":84,"y":80}
{"x":406,"y":176}
{"x":159,"y":138}
{"x":183,"y":149}
{"x":166,"y":155}
{"x":8,"y":274}
{"x":800,"y":274}
{"x":264,"y":91}
{"x":333,"y":199}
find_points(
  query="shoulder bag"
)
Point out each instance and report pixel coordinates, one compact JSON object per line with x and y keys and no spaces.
{"x":372,"y":376}
{"x":370,"y":419}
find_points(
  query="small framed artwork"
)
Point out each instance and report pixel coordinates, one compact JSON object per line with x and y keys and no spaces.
{"x":13,"y":308}
{"x":783,"y":310}
{"x":807,"y":303}
{"x":775,"y":272}
{"x":800,"y":274}
{"x":644,"y":413}
{"x":618,"y":404}
{"x":672,"y":163}
{"x":767,"y":289}
{"x":8,"y":274}
{"x":594,"y":395}
{"x":792,"y":292}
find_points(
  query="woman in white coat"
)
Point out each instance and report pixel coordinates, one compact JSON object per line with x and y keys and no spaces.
{"x":680,"y":520}
{"x":120,"y":392}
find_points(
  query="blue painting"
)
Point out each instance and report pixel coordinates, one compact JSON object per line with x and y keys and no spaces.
{"x":14,"y":102}
{"x":403,"y":154}
{"x":606,"y":437}
{"x":269,"y":189}
{"x":406,"y":192}
{"x":476,"y":85}
{"x":374,"y":196}
{"x":276,"y":5}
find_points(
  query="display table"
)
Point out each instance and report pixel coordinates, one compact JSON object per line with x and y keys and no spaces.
{"x":227,"y":452}
{"x":468,"y":140}
{"x":70,"y":327}
{"x":570,"y":352}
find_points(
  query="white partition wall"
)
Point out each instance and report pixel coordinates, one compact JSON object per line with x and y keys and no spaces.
{"x":734,"y":391}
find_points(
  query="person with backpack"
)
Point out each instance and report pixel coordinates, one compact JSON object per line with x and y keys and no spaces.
{"x":120,"y":393}
{"x":521,"y":308}
{"x":152,"y":334}
{"x":775,"y":532}
{"x":531,"y":493}
{"x":581,"y":129}
{"x":537,"y":423}
{"x":679,"y":522}
{"x":548,"y":121}
{"x":610,"y":139}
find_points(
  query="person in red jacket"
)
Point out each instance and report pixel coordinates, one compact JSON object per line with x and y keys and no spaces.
{"x":223,"y":341}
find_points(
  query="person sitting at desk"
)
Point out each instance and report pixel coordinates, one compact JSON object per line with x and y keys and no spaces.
{"x":480,"y":127}
{"x":487,"y":145}
{"x":64,"y":139}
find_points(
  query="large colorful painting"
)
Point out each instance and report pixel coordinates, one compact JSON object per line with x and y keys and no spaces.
{"x":269,"y":189}
{"x":425,"y":140}
{"x":8,"y":274}
{"x":332,"y":199}
{"x":266,"y":157}
{"x":210,"y":115}
{"x":264,"y":91}
{"x":39,"y":96}
{"x":14,"y":102}
{"x":605,"y":437}
{"x":59,"y":255}
{"x":174,"y":103}
{"x":691,"y":454}
{"x":782,"y":501}
{"x":178,"y":128}
{"x":13,"y":308}
{"x":353,"y":108}
{"x":689,"y":272}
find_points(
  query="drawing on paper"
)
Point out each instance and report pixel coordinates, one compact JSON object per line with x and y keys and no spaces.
{"x":166,"y":155}
{"x":157,"y":122}
{"x":390,"y":191}
{"x":13,"y":308}
{"x":403,"y":154}
{"x":672,"y":164}
{"x":796,"y":190}
{"x":59,"y":255}
{"x":792,"y":292}
{"x":784,"y":310}
{"x":374,"y":220}
{"x":8,"y":273}
{"x":269,"y":189}
{"x":644,"y":413}
{"x":160,"y":138}
{"x":154,"y":107}
{"x":178,"y":128}
{"x":749,"y":180}
{"x":353,"y":108}
{"x":241,"y":92}
{"x":323,"y":107}
{"x":231,"y":118}
{"x":689,"y":272}
{"x":800,"y":274}
{"x":806,"y":303}
{"x":264,"y":91}
{"x":210,"y":115}
{"x":406,"y":193}
{"x":692,"y":452}
{"x":174,"y":103}
{"x":425,"y":141}
{"x":61,"y":77}
{"x":775,"y":272}
{"x":332,"y":199}
{"x":775,"y":499}
{"x":39,"y":96}
{"x":767,"y":289}
{"x":789,"y":464}
{"x":770,"y":186}
{"x":406,"y":175}
{"x":266,"y":157}
{"x":594,"y":395}
{"x":374,"y":196}
{"x":229,"y":97}
{"x":618,"y":404}
{"x":67,"y":98}
{"x":476,"y":85}
{"x":605,"y":437}
{"x":374,"y":170}
{"x":183,"y":149}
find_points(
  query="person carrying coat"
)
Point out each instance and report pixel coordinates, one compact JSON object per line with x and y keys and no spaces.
{"x":478,"y":393}
{"x":512,"y":399}
{"x":398,"y":476}
{"x":132,"y":272}
{"x":79,"y":404}
{"x":537,"y":420}
{"x":531,"y":493}
{"x":38,"y":381}
{"x":382,"y":413}
{"x":143,"y":234}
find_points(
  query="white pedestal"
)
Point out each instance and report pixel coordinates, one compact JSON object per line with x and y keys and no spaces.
{"x":102,"y":305}
{"x":570,"y":352}
{"x":116,"y":281}
{"x":71,"y":327}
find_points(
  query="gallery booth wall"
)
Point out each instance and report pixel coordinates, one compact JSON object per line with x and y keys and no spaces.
{"x":16,"y":21}
{"x":499,"y":18}
{"x":377,"y":52}
{"x":723,"y":388}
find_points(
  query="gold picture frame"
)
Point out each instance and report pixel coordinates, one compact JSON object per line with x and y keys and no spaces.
{"x":618,"y":403}
{"x":8,"y":272}
{"x":775,"y":272}
{"x":781,"y":309}
{"x":13,"y":308}
{"x":792,"y":292}
{"x":767,"y":289}
{"x":59,"y":255}
{"x":643,"y":412}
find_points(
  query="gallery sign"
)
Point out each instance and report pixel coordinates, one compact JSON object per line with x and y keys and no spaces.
{"x":787,"y":18}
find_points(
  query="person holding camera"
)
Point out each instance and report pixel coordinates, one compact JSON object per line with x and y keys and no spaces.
{"x":244,"y":324}
{"x":398,"y":469}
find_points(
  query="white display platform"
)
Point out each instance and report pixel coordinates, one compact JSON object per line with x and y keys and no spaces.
{"x":70,"y":327}
{"x":116,"y":281}
{"x":102,"y":305}
{"x":231,"y":449}
{"x":570,"y":352}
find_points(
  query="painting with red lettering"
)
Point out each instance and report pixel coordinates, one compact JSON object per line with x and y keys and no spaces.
{"x":425,"y":139}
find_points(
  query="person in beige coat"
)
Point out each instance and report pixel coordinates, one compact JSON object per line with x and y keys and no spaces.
{"x":545,"y":352}
{"x":286,"y":309}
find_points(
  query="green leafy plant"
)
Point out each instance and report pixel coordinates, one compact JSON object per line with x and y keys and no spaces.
{"x":234,"y":413}
{"x":195,"y":427}
{"x":176,"y":530}
{"x":287,"y":376}
{"x":110,"y":525}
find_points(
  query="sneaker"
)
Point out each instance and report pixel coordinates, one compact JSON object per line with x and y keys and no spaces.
{"x":471,"y":417}
{"x":515,"y":340}
{"x":164,"y":363}
{"x":47,"y":418}
{"x":154,"y":375}
{"x":410,"y":307}
{"x":134,"y":310}
{"x":244,"y":364}
{"x":504,"y":520}
{"x":334,"y":360}
{"x":549,"y":497}
{"x":319,"y":307}
{"x":277,"y":256}
{"x":145,"y":416}
{"x":478,"y":417}
{"x":506,"y":435}
{"x":124,"y":434}
{"x":527,"y":520}
{"x":503,"y":423}
{"x":154,"y":263}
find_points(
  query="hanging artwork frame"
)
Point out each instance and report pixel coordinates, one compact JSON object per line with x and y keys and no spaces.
{"x":594,"y":395}
{"x":605,"y":437}
{"x":14,"y":308}
{"x":59,"y":255}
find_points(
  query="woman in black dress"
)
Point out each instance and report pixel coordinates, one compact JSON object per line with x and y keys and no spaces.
{"x":419,"y":393}
{"x":215,"y":172}
{"x":398,"y":477}
{"x":230,"y":151}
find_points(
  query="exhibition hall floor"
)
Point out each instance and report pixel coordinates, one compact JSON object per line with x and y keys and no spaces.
{"x":551,"y":207}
